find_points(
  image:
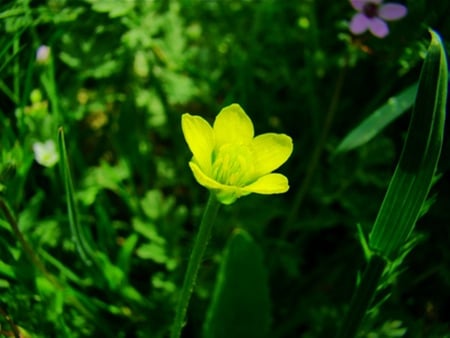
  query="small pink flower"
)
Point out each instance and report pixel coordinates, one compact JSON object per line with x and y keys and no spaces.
{"x":372,"y":15}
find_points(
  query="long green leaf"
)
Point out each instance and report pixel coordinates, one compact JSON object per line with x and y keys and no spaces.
{"x":413,"y":176}
{"x":409,"y":185}
{"x":84,"y":249}
{"x":379,"y":119}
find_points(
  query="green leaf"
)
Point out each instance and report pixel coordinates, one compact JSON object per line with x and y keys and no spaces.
{"x":7,"y":270}
{"x":413,"y":176}
{"x":113,"y":275}
{"x":114,"y":9}
{"x":153,"y":251}
{"x":148,"y":230}
{"x":241,"y":305}
{"x":409,"y":186}
{"x":85,"y":251}
{"x":126,"y":252}
{"x":380,"y":118}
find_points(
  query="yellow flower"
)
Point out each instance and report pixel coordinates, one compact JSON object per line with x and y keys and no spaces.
{"x":230,"y":161}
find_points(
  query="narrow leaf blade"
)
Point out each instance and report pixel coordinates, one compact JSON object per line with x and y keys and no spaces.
{"x":413,"y":176}
{"x":379,"y":119}
{"x":82,"y":245}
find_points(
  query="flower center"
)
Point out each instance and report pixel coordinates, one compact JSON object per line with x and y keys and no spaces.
{"x":370,"y":9}
{"x":232,"y":165}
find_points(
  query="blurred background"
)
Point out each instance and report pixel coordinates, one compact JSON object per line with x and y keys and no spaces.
{"x":118,"y":75}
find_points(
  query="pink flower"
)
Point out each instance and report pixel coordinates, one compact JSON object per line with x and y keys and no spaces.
{"x":372,"y":15}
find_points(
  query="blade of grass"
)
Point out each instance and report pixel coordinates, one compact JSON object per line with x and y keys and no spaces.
{"x":409,"y":185}
{"x":413,"y":176}
{"x":379,"y":119}
{"x":85,"y":251}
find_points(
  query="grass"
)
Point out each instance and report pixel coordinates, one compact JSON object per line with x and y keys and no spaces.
{"x":111,"y":262}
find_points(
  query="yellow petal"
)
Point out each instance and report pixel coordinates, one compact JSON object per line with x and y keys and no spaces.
{"x":203,"y":179}
{"x":226,"y":194}
{"x":232,"y":125}
{"x":270,"y":152}
{"x":269,"y":184}
{"x":200,"y":138}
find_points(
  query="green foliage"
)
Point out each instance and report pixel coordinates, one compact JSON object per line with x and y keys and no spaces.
{"x":240,"y":306}
{"x":118,"y":78}
{"x":408,"y":188}
{"x":417,"y":165}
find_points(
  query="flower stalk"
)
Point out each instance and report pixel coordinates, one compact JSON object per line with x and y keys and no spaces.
{"x":363,"y":296}
{"x":230,"y":162}
{"x":201,"y":242}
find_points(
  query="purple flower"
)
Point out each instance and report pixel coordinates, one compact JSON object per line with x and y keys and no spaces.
{"x":372,"y":15}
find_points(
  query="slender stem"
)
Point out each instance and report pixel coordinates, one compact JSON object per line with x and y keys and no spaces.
{"x":53,"y":93}
{"x":190,"y":277}
{"x":16,"y":83}
{"x":317,"y":152}
{"x":362,"y":297}
{"x":14,"y":328}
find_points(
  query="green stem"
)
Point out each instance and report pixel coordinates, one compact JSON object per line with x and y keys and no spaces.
{"x":14,"y":328}
{"x":362,"y":297}
{"x":200,"y":244}
{"x":16,"y":71}
{"x":317,"y":153}
{"x":48,"y":80}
